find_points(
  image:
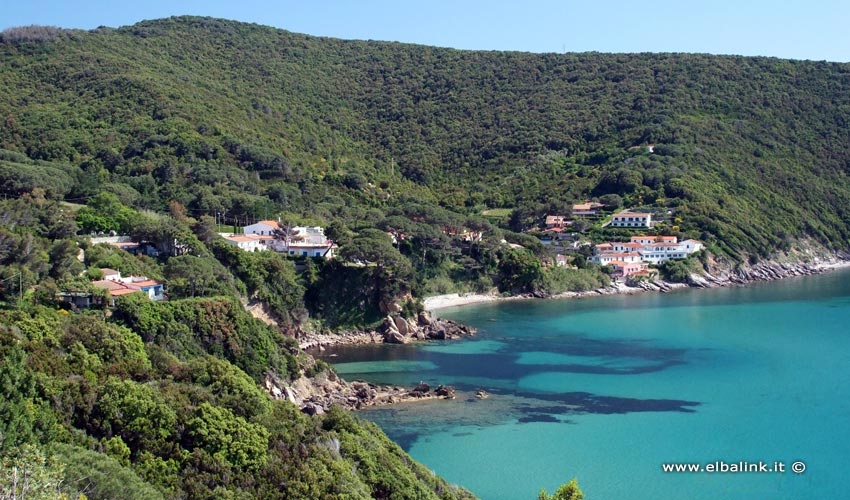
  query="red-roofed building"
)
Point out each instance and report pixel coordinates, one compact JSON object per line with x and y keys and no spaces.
{"x":589,"y":208}
{"x":556,"y":221}
{"x":625,"y":269}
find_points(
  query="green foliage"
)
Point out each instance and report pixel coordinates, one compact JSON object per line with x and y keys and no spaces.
{"x":569,"y":491}
{"x":17,"y":387}
{"x":218,"y":326}
{"x":29,"y":474}
{"x":560,"y":279}
{"x":679,"y":271}
{"x":272,"y":121}
{"x":100,"y":477}
{"x":228,"y":437}
{"x":193,"y":276}
{"x":105,"y":212}
{"x":267,"y":277}
{"x":519,"y":272}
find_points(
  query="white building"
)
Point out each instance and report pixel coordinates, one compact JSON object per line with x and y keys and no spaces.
{"x":656,"y":253}
{"x":606,"y":258}
{"x":310,"y":242}
{"x":248,"y":242}
{"x":303,"y":241}
{"x":651,"y":249}
{"x":632,"y":219}
{"x":263,"y":228}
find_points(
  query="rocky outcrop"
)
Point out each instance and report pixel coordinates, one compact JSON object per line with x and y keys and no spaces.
{"x":763,"y":271}
{"x":315,"y":395}
{"x":398,"y":330}
{"x":322,"y":340}
{"x":395,"y":329}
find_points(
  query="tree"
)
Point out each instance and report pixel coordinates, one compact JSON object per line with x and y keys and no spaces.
{"x":28,"y":474}
{"x":611,"y":201}
{"x":227,"y":437}
{"x":192,"y":276}
{"x":520,"y":271}
{"x":569,"y":491}
{"x":17,"y":388}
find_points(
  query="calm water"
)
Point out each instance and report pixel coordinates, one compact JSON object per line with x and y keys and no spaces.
{"x":607,"y":389}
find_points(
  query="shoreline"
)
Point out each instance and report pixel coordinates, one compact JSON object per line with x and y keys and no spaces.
{"x":769,"y":271}
{"x":316,"y":394}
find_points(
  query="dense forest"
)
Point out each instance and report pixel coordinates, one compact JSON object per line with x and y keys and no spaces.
{"x":751,"y":154}
{"x":174,"y":130}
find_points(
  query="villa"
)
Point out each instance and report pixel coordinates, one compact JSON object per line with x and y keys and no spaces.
{"x":644,"y":249}
{"x":303,"y":241}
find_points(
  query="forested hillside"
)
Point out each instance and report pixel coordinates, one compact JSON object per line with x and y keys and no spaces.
{"x":152,"y":400}
{"x":750,"y":153}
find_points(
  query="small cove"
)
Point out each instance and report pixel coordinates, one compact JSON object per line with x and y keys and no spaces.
{"x":607,"y":389}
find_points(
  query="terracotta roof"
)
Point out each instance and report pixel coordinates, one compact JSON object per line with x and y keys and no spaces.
{"x":108,"y":284}
{"x":145,"y":283}
{"x":606,"y":245}
{"x":272,"y":223}
{"x":123,"y":291}
{"x":242,"y":237}
{"x":631,"y":245}
{"x":107,"y":271}
{"x":587,"y":206}
{"x":631,"y":214}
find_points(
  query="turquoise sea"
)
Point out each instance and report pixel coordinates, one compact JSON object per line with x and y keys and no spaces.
{"x":608,"y":389}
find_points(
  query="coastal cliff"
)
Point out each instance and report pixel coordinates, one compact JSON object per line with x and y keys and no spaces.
{"x":394,"y":329}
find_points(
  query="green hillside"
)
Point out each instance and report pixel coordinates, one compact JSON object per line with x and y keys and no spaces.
{"x":751,"y":153}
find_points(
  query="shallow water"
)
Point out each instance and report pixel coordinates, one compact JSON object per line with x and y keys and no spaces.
{"x":607,"y":389}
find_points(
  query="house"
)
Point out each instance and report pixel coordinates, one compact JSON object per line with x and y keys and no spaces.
{"x":556,"y":221}
{"x":648,"y":240}
{"x":589,"y":208}
{"x":632,"y":219}
{"x":79,"y":299}
{"x":248,"y":242}
{"x":303,"y":241}
{"x":110,"y":274}
{"x":626,"y":269}
{"x":263,"y":227}
{"x":626,"y":247}
{"x":310,"y":242}
{"x":608,"y":258}
{"x":561,"y":260}
{"x":124,"y":285}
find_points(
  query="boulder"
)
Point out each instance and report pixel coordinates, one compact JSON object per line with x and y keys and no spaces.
{"x":424,"y":319}
{"x":391,"y":333}
{"x":313,"y":409}
{"x":422,"y":387}
{"x":401,"y":325}
{"x":445,"y":391}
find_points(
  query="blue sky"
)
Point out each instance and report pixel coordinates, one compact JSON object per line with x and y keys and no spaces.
{"x":795,"y":29}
